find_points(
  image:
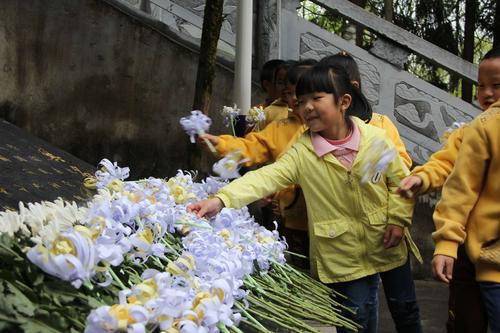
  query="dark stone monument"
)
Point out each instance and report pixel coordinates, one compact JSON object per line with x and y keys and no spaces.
{"x":32,"y":170}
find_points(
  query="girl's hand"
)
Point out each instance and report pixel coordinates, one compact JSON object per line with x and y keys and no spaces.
{"x":409,"y":186}
{"x":393,"y":235}
{"x":213,"y":139}
{"x":207,"y":207}
{"x":442,"y":267}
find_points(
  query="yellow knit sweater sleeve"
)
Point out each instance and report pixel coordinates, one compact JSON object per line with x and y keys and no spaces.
{"x":461,"y":190}
{"x":382,"y":121}
{"x":257,"y":147}
{"x":435,"y":172}
{"x":262,"y":182}
{"x":264,"y":146}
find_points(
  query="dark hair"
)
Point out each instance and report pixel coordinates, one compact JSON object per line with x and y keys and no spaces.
{"x":334,"y":80}
{"x":493,"y":53}
{"x":269,"y":69}
{"x":346,"y":61}
{"x":296,"y":70}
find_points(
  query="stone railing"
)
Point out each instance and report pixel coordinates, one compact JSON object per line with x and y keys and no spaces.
{"x":421,"y":111}
{"x":187,"y":17}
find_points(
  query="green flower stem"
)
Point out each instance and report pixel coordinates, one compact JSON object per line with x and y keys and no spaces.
{"x":279,"y":313}
{"x":254,"y":326}
{"x":235,"y":329}
{"x":297,"y":255}
{"x":232,"y":125}
{"x":170,"y":246}
{"x":276,"y":321}
{"x":222,"y":327}
{"x":9,"y":319}
{"x":209,"y":144}
{"x":252,"y":319}
{"x":8,"y":249}
{"x":117,"y":279}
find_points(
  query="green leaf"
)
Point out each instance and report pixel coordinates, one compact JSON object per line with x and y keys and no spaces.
{"x":35,"y":326}
{"x":14,"y":301}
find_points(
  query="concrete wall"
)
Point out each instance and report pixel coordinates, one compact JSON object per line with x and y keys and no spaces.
{"x":98,"y":83}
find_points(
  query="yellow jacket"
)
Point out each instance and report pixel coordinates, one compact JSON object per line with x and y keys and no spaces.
{"x":469,"y":209}
{"x":437,"y":169}
{"x":270,"y":143}
{"x":347,"y":220}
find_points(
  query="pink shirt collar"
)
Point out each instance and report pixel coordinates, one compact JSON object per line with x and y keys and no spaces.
{"x":324,"y":146}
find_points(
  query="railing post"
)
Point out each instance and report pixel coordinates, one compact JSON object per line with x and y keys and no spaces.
{"x":243,"y":66}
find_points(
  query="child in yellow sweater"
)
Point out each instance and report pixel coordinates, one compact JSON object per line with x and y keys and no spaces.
{"x":466,"y":309}
{"x":469,"y":210}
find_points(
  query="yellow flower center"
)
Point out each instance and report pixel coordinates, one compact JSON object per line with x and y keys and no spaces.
{"x":62,"y":245}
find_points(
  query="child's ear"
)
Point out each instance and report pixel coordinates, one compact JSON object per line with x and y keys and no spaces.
{"x":266,"y":84}
{"x":345,"y":102}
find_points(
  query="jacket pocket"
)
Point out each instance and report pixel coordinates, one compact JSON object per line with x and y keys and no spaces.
{"x":335,"y":247}
{"x":379,"y":216}
{"x":330,"y":229}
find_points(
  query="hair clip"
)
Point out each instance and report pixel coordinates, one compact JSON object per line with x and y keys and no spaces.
{"x":343,"y":53}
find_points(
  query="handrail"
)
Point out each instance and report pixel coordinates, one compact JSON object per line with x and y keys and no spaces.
{"x":402,"y":37}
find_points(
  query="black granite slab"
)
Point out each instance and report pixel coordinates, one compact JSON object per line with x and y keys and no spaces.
{"x":33,"y":170}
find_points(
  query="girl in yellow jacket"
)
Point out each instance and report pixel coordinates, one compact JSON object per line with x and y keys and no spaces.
{"x":355,"y":229}
{"x":467,"y":313}
{"x":268,"y":145}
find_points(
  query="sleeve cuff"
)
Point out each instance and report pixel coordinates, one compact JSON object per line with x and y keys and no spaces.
{"x":225,"y":200}
{"x":221,"y":146}
{"x":447,"y":248}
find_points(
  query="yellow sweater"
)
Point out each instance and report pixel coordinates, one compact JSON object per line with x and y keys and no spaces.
{"x":275,"y":111}
{"x":437,"y":169}
{"x":470,"y":209}
{"x":346,"y":237}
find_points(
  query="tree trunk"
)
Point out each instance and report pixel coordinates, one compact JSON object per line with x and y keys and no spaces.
{"x":468,"y":53}
{"x":388,"y":10}
{"x":212,"y":23}
{"x":359,"y":28}
{"x":146,"y":6}
{"x":496,"y":26}
{"x":205,"y":75}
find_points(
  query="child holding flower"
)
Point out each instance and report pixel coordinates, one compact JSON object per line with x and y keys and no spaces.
{"x":465,"y":306}
{"x":355,"y":229}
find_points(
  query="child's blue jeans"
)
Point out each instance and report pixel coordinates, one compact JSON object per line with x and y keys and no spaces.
{"x":491,"y":298}
{"x":362,"y":298}
{"x":399,"y":291}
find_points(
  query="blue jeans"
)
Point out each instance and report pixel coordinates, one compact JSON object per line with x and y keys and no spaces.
{"x":491,"y":298}
{"x":401,"y":299}
{"x":362,"y":297}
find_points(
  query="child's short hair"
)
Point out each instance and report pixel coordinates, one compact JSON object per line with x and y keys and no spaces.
{"x":296,"y":70}
{"x":346,"y":61}
{"x":334,"y":80}
{"x":493,"y":53}
{"x":269,"y":70}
